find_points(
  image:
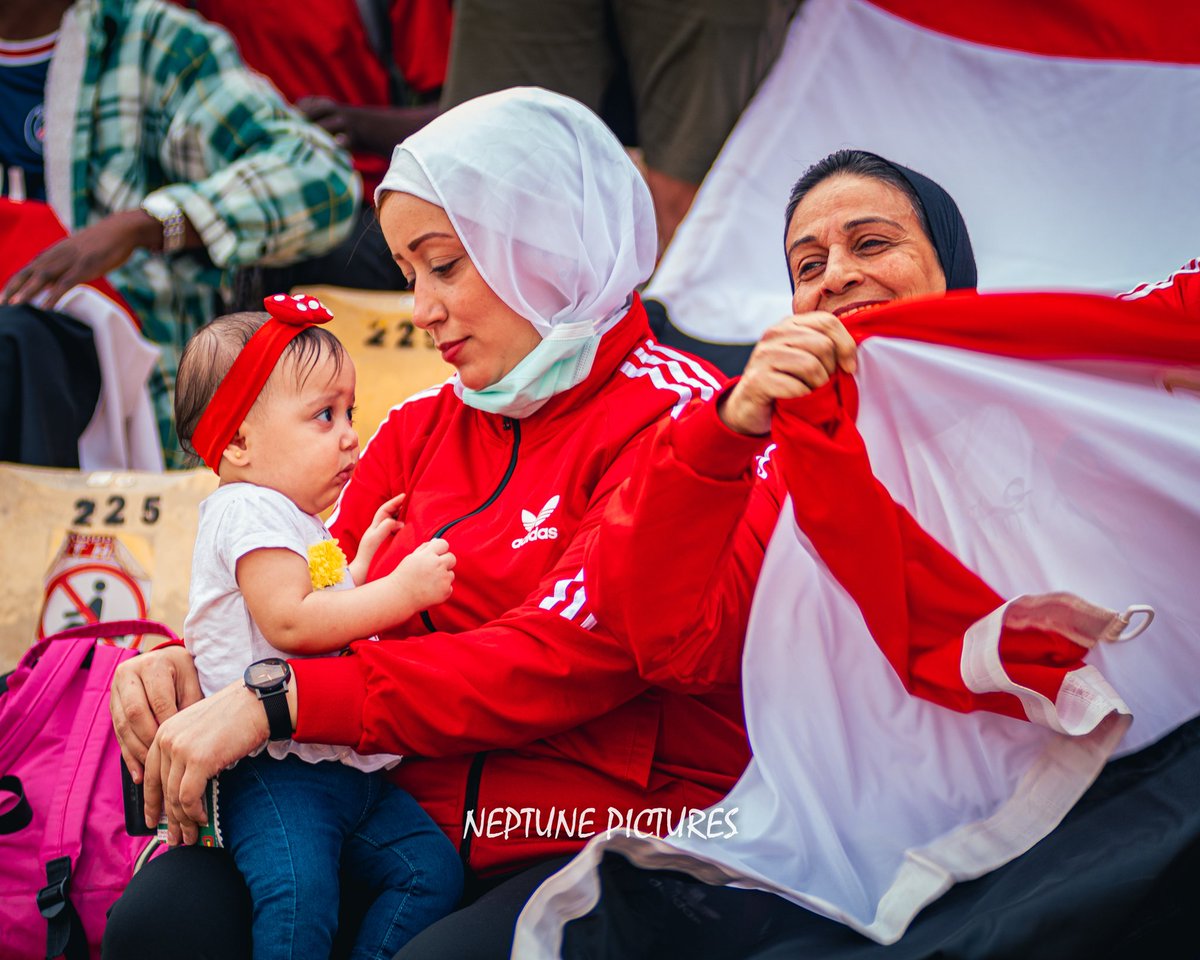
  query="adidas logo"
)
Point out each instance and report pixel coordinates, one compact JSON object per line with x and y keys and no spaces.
{"x":533,"y":524}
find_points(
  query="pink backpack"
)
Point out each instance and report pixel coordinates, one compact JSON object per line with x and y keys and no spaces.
{"x":64,"y":853}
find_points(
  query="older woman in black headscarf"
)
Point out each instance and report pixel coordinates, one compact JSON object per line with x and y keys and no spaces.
{"x":683,"y":544}
{"x":860,"y":232}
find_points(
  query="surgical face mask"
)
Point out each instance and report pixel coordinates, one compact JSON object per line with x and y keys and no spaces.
{"x":562,"y":360}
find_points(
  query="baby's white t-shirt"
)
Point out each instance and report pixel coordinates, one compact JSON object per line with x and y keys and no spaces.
{"x":219,"y":631}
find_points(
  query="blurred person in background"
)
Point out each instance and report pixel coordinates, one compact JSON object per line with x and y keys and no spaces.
{"x":169,"y":163}
{"x":687,"y":68}
{"x":370,"y":73}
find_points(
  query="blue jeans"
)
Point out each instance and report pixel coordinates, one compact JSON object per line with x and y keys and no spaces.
{"x":292,"y":826}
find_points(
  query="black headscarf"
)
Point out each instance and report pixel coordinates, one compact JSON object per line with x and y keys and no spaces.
{"x":947,"y":229}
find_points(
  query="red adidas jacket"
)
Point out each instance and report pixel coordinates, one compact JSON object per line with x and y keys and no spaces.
{"x":510,"y":697}
{"x":730,"y":483}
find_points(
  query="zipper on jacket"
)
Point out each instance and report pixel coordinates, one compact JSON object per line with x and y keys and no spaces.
{"x":470,"y":802}
{"x":515,"y":427}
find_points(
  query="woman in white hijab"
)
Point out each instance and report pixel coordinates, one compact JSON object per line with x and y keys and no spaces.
{"x":551,"y":214}
{"x":525,"y":230}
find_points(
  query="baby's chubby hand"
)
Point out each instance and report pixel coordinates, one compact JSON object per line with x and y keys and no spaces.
{"x":385,"y":522}
{"x":428,"y":573}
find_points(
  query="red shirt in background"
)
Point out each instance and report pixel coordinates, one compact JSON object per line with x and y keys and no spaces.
{"x":320,"y":48}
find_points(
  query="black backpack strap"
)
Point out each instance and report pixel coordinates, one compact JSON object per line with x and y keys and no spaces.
{"x":377,"y":21}
{"x":65,"y":936}
{"x":21,"y":815}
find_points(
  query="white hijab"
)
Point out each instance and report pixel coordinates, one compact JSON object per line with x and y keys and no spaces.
{"x":554,"y":215}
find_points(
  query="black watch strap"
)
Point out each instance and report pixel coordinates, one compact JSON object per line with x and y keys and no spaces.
{"x":279,"y":718}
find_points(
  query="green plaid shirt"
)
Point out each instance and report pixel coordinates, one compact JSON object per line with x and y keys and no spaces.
{"x":144,"y":97}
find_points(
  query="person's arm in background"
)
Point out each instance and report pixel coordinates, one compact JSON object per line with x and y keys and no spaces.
{"x":89,"y":254}
{"x":374,"y":130}
{"x":419,"y":36}
{"x":255,"y":182}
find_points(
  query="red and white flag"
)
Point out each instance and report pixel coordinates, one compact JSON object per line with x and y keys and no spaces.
{"x":995,"y":459}
{"x":1066,"y":133}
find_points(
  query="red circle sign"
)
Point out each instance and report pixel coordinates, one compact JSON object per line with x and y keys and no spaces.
{"x":89,"y":593}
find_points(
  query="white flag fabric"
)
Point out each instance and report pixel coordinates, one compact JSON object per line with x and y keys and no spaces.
{"x":1066,"y":133}
{"x":1038,"y":443}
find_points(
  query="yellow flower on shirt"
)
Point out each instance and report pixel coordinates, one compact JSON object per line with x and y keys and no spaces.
{"x":326,"y":564}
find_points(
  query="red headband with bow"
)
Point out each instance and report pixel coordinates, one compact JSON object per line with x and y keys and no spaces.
{"x":243,"y":383}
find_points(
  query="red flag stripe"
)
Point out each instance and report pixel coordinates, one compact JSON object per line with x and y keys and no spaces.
{"x":1043,"y":326}
{"x":1090,"y":29}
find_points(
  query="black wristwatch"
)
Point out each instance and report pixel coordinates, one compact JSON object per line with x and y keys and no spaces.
{"x":269,"y":680}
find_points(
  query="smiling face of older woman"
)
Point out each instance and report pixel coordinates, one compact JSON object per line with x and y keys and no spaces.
{"x":854,"y":241}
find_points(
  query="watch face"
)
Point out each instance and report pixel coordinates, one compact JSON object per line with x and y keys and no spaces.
{"x":266,"y":673}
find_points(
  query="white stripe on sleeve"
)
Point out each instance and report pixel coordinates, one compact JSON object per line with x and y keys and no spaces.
{"x":574,"y":588}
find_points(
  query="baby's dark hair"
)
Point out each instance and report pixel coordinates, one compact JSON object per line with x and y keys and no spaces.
{"x":210,"y":354}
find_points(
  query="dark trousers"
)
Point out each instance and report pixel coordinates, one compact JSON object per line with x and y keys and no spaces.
{"x":49,"y":385}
